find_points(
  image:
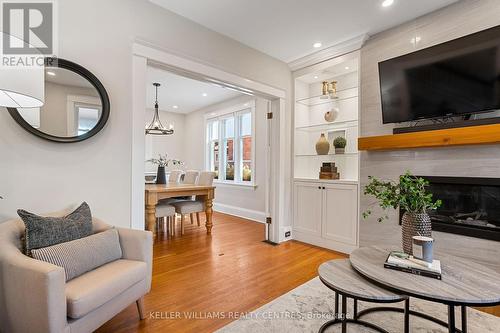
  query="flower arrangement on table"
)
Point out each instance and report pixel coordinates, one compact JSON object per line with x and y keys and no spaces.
{"x":163,"y":161}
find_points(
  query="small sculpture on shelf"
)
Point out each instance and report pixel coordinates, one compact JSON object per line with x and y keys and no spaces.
{"x":328,"y":170}
{"x":331,"y":115}
{"x":339,"y":143}
{"x":322,"y":146}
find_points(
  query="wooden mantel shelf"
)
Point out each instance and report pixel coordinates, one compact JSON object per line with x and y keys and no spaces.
{"x":473,"y":135}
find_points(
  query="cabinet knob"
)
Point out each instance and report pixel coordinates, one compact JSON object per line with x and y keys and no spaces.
{"x":319,"y":187}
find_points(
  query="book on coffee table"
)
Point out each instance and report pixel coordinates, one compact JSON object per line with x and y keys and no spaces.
{"x":401,"y":261}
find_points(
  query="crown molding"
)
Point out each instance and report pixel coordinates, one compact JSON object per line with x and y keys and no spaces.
{"x":333,"y":51}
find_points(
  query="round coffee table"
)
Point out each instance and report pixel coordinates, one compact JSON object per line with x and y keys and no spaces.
{"x":464,"y":282}
{"x":339,"y":276}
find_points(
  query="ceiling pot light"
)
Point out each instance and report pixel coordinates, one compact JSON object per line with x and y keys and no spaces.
{"x":346,"y":67}
{"x":175,"y":106}
{"x":317,"y":45}
{"x":156,"y":127}
{"x":204,"y":94}
{"x":415,"y":40}
{"x":315,"y":76}
{"x":22,"y":84}
{"x":387,"y":3}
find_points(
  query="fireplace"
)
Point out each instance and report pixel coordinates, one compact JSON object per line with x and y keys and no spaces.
{"x":471,"y":206}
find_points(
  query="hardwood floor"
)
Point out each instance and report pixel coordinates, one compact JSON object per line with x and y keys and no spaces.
{"x":231,"y":271}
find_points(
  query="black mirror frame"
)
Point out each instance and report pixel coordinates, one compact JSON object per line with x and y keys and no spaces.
{"x":71,"y":66}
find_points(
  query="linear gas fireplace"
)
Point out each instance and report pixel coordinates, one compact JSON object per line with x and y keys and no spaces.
{"x":471,"y":206}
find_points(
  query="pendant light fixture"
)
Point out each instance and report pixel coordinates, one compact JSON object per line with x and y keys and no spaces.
{"x":156,"y":127}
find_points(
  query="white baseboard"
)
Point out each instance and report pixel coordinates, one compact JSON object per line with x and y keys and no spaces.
{"x":322,"y":242}
{"x":245,"y":213}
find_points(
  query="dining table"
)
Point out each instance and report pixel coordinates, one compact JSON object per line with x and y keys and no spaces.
{"x":156,"y":192}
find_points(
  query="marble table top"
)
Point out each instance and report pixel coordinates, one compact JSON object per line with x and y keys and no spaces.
{"x":464,"y":282}
{"x":341,"y":277}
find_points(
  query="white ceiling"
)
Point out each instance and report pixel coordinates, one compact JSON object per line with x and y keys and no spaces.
{"x":333,"y":71}
{"x":186,"y":94}
{"x":66,"y":77}
{"x":287,"y":29}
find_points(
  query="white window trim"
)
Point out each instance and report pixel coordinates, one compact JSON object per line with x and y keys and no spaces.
{"x":73,"y":100}
{"x":222,"y":114}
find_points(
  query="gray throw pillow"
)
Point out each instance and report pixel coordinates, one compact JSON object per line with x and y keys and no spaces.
{"x":46,"y":231}
{"x":82,"y":255}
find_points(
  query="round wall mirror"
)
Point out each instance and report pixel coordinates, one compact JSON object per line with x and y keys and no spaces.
{"x":76,"y":104}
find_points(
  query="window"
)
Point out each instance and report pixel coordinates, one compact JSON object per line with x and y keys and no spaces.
{"x":213,"y":147}
{"x":87,"y":117}
{"x":230,"y":145}
{"x":245,"y":123}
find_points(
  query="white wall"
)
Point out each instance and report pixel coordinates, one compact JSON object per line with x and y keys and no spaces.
{"x":44,"y":176}
{"x":457,"y":20}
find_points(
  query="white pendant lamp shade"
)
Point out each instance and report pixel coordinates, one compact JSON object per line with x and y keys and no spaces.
{"x":22,"y":79}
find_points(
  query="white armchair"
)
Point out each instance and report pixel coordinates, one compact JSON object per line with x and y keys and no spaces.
{"x":34,"y":296}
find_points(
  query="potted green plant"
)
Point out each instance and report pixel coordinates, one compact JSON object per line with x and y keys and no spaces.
{"x":339,"y":143}
{"x":163,"y":162}
{"x":409,"y":194}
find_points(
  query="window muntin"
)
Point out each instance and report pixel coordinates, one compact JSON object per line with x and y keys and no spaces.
{"x":245,"y":142}
{"x":230,"y":146}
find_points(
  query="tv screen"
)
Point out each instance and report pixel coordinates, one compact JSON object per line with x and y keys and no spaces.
{"x":459,"y":77}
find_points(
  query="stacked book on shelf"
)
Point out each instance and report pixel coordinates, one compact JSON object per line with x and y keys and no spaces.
{"x":401,"y":261}
{"x":328,"y":171}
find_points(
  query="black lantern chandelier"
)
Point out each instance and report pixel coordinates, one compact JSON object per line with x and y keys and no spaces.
{"x":156,"y":127}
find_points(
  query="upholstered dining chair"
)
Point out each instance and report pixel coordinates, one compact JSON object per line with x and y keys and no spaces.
{"x":194,"y":206}
{"x":164,"y":211}
{"x":191,"y":177}
{"x":175,"y":176}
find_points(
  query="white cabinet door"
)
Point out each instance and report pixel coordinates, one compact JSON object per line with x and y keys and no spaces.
{"x":340,"y":213}
{"x":308,"y":199}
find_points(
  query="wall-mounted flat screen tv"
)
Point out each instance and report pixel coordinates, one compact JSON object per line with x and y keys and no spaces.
{"x":456,"y":78}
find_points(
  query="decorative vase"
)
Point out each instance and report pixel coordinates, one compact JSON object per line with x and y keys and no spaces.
{"x":160,"y":175}
{"x":331,"y":115}
{"x":322,"y":146}
{"x":414,"y":225}
{"x":339,"y":150}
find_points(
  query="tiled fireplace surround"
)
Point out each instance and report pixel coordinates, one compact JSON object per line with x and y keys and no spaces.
{"x":465,"y":161}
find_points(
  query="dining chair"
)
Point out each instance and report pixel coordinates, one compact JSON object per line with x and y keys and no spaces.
{"x":166,"y":212}
{"x":175,"y":176}
{"x":194,"y":206}
{"x":191,"y":177}
{"x":164,"y":209}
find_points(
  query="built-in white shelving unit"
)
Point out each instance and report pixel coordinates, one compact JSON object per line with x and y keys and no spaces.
{"x":326,"y":211}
